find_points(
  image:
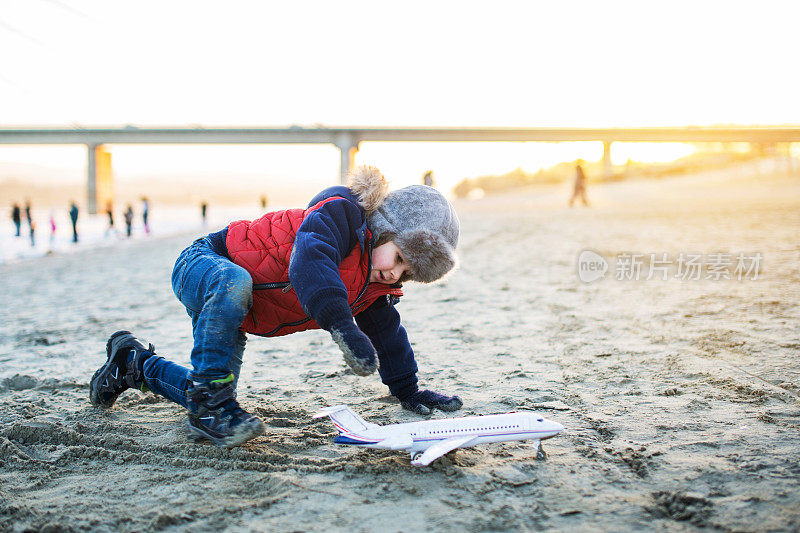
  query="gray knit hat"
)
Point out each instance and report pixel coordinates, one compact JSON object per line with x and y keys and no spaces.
{"x":424,"y":226}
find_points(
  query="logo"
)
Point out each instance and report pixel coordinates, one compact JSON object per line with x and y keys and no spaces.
{"x":591,"y":266}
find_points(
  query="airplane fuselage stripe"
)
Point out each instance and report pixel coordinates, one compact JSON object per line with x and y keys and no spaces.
{"x":364,"y":440}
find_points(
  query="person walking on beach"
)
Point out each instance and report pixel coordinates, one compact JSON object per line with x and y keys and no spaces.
{"x":128,"y":220}
{"x":73,"y":216}
{"x":427,"y":179}
{"x":145,"y":214}
{"x":579,"y":187}
{"x":28,"y":214}
{"x":52,"y":229}
{"x":16,"y":216}
{"x":203,"y":211}
{"x":110,"y":213}
{"x":337,"y":265}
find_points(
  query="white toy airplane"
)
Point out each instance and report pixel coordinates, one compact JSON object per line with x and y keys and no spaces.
{"x":428,"y":440}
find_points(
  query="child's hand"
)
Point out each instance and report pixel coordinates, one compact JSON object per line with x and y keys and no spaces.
{"x":359,"y":354}
{"x":423,"y":402}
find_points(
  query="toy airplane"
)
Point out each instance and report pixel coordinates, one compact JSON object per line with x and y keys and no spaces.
{"x":428,"y":440}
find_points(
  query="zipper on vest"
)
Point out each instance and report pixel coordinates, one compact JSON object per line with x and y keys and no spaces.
{"x":369,"y":272}
{"x":286,"y":325}
{"x":285,"y":285}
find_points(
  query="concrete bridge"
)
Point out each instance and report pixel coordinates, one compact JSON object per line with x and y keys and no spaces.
{"x":347,"y":139}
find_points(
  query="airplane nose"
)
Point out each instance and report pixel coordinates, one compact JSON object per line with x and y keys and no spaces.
{"x":550,"y":426}
{"x":539,"y":422}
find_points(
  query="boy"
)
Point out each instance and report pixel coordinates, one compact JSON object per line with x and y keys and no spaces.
{"x":343,"y":257}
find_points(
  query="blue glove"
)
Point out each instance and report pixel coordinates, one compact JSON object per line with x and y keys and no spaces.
{"x":423,"y":402}
{"x":359,"y":354}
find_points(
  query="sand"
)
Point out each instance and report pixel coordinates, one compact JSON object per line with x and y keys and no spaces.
{"x":680,"y":398}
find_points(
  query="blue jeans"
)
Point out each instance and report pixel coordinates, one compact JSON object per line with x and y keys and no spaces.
{"x":217,"y":295}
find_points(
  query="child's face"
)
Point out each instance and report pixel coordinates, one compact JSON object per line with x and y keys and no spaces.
{"x":388,"y":264}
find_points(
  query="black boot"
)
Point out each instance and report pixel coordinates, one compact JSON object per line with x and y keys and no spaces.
{"x":123,"y":370}
{"x":214,"y":414}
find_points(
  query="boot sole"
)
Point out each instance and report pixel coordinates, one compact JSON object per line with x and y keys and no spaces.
{"x":102,"y":373}
{"x":245,"y":434}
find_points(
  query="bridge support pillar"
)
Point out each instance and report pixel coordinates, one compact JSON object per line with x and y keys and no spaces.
{"x":348,"y":146}
{"x":608,"y":168}
{"x":91,"y":179}
{"x":98,"y":178}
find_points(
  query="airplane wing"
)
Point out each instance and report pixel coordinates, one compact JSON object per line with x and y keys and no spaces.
{"x":441,"y":448}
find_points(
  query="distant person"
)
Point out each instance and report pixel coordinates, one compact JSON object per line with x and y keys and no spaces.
{"x":16,"y":216}
{"x":427,"y":179}
{"x":352,"y":239}
{"x":28,"y":213}
{"x":73,"y":216}
{"x":579,"y":188}
{"x":263,"y":201}
{"x":32,"y":226}
{"x":52,"y":228}
{"x":128,"y":220}
{"x":203,"y":212}
{"x":110,"y":213}
{"x":145,"y":214}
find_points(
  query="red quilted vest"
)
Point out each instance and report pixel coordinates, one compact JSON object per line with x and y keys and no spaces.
{"x":263,"y":247}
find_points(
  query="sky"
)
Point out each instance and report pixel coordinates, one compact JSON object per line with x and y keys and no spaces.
{"x":262,"y":63}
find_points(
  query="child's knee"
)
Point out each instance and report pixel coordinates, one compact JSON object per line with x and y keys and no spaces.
{"x":234,"y":292}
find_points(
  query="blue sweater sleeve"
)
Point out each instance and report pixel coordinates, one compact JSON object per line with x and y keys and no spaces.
{"x":398,"y":367}
{"x":324,"y":238}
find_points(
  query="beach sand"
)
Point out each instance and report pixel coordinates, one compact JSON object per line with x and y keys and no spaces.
{"x":680,"y":398}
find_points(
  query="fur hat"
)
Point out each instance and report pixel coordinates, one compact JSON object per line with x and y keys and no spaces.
{"x":418,"y":219}
{"x":369,"y":186}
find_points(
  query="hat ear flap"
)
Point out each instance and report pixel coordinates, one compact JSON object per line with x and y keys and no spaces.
{"x":430,"y":255}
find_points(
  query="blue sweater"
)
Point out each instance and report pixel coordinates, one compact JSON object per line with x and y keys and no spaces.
{"x":326,"y":236}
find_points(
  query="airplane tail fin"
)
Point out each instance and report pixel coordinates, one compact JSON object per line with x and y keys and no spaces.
{"x":345,"y":420}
